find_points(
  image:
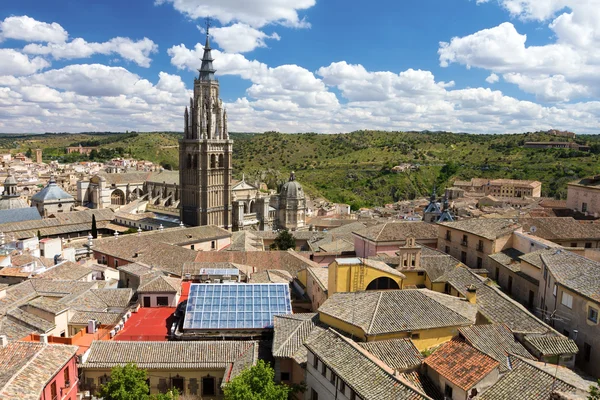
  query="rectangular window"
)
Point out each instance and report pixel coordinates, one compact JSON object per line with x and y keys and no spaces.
{"x":323,"y":369}
{"x":480,"y":245}
{"x":332,"y":377}
{"x":497,"y":274}
{"x":352,"y":395}
{"x":342,"y":386}
{"x":479,"y":262}
{"x":193,"y":247}
{"x":510,"y":282}
{"x":162,"y":301}
{"x":66,"y":377}
{"x":463,"y":257}
{"x":213,"y":245}
{"x":567,"y":300}
{"x":588,"y":245}
{"x":593,"y":315}
{"x":315,"y":362}
{"x":448,"y":236}
{"x":587,"y":352}
{"x":53,"y":392}
{"x":285,"y":376}
{"x":465,"y":240}
{"x":554,"y":290}
{"x":448,"y":391}
{"x":573,"y":244}
{"x":447,"y":250}
{"x":583,"y":207}
{"x":415,"y":336}
{"x":314,"y":395}
{"x":421,"y":273}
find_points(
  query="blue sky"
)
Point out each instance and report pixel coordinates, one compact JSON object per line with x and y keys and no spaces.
{"x":482,"y":66}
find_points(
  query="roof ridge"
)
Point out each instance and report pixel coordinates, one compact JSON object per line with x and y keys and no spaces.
{"x":300,"y":325}
{"x":375,"y":312}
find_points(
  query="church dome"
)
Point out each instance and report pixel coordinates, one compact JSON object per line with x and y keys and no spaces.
{"x":292,"y":189}
{"x":10,"y":180}
{"x":52,"y":192}
{"x":11,"y":203}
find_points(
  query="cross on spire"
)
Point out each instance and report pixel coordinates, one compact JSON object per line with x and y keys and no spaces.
{"x":207,"y":19}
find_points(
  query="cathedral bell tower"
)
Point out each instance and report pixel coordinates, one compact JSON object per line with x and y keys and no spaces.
{"x":205,"y":153}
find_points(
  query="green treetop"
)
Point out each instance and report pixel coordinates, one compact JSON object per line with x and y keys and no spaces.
{"x":256,"y":383}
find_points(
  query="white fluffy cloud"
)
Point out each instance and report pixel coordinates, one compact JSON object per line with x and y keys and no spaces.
{"x":13,"y":62}
{"x":253,"y":13}
{"x":493,"y":78}
{"x":136,"y":51}
{"x":240,"y":38}
{"x":28,"y":29}
{"x":560,"y":71}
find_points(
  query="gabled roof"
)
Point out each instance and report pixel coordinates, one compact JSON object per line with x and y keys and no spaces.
{"x":528,"y":381}
{"x":369,"y":377}
{"x":488,"y":228}
{"x":399,"y":354}
{"x":380,"y":312}
{"x":291,"y":332}
{"x":551,"y":345}
{"x":575,"y":272}
{"x":28,"y":367}
{"x":495,"y":340}
{"x":461,"y":364}
{"x":561,"y":228}
{"x":166,"y":355}
{"x":398,"y":231}
{"x":160,"y":284}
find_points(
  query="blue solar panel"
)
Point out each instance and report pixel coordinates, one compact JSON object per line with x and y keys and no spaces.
{"x":237,"y":306}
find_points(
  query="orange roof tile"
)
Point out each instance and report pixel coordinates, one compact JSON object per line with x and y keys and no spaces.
{"x":461,"y":364}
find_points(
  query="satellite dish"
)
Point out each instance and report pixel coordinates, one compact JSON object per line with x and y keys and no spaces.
{"x":533,"y":229}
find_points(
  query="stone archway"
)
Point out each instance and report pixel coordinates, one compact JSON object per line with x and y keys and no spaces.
{"x":383,"y":283}
{"x":117,"y":198}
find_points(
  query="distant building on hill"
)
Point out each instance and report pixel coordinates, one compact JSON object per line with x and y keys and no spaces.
{"x":501,"y":187}
{"x":556,"y":145}
{"x":556,"y":132}
{"x":80,"y":149}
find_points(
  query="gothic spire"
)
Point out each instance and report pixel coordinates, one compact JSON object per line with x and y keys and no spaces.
{"x":207,"y":71}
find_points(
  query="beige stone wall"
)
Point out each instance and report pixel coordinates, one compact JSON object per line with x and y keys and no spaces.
{"x":577,"y":195}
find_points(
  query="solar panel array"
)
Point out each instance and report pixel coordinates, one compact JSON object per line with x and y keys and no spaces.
{"x":220,"y":271}
{"x":236,"y":306}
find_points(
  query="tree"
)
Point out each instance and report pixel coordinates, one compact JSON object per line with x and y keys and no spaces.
{"x":284,"y":241}
{"x":94,"y":228}
{"x":126,"y":383}
{"x":256,"y":383}
{"x":594,"y":391}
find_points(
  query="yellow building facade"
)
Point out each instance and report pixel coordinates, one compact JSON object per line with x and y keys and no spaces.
{"x":359,"y":274}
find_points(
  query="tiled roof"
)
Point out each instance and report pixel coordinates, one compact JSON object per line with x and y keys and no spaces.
{"x":66,"y":271}
{"x":289,"y":260}
{"x":30,"y":367}
{"x":99,"y":299}
{"x":495,"y":305}
{"x":22,"y":259}
{"x":380,"y":312}
{"x":337,"y":246}
{"x":422,"y":382}
{"x":511,"y":259}
{"x":551,"y":345}
{"x":370,"y":378}
{"x":114,"y":297}
{"x":535,"y":257}
{"x":104,"y":318}
{"x":19,"y":215}
{"x":291,"y":332}
{"x":320,"y":275}
{"x":31,"y":320}
{"x":271,"y":276}
{"x":561,"y":228}
{"x":48,"y":304}
{"x":76,"y":221}
{"x":145,"y":250}
{"x":488,"y":228}
{"x":527,"y":381}
{"x":575,"y":272}
{"x":381,"y":266}
{"x":15,"y":329}
{"x":461,"y":364}
{"x":166,"y":355}
{"x":160,"y":284}
{"x":398,"y":231}
{"x":399,"y":354}
{"x":136,"y":269}
{"x":495,"y":340}
{"x":15,"y":272}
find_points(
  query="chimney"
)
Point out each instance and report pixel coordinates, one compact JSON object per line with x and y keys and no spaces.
{"x":139,"y":231}
{"x":3,"y":341}
{"x":472,"y":294}
{"x":44,"y":338}
{"x":116,"y":235}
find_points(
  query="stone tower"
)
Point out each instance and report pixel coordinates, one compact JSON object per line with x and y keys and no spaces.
{"x":38,"y":156}
{"x":205,"y":153}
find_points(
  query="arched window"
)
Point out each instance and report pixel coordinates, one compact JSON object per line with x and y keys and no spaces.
{"x":221,"y":165}
{"x":117,"y":197}
{"x":213,"y":161}
{"x":252,"y":207}
{"x":195,"y":161}
{"x":383,"y":283}
{"x":189,"y":161}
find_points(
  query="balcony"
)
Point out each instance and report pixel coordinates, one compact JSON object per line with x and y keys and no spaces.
{"x":464,"y":243}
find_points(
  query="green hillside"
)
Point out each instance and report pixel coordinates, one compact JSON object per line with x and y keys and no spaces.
{"x":355,"y":167}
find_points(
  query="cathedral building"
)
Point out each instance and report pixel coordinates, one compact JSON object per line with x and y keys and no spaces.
{"x":205,"y":153}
